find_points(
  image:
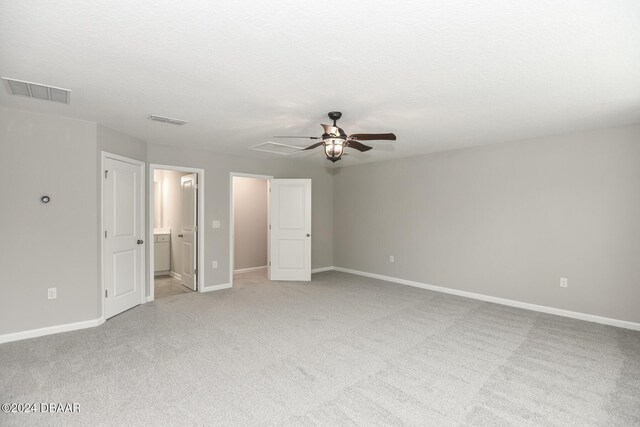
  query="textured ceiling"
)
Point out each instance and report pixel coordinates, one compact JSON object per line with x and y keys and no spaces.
{"x":440,"y":74}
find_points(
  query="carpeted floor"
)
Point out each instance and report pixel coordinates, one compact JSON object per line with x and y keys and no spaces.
{"x":341,"y":350}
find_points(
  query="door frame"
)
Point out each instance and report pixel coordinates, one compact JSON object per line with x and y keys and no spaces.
{"x":103,"y":156}
{"x":267,"y":178}
{"x":201,"y":227}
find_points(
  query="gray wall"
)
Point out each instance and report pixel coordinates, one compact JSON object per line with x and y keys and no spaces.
{"x":52,"y":245}
{"x":217,"y":203}
{"x":250,"y":204}
{"x":122,"y":144}
{"x":506,"y":220}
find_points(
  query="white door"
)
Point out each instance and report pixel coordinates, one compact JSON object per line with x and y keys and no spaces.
{"x":290,"y":215}
{"x":123,"y":249}
{"x":189,"y":235}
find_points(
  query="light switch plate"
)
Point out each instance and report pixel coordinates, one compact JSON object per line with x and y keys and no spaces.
{"x":52,"y":293}
{"x":216,"y":223}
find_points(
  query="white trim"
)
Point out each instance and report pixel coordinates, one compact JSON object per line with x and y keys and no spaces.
{"x":512,"y":303}
{"x":175,"y":275}
{"x":49,"y":330}
{"x":201,"y":223}
{"x":216,"y":287}
{"x":250,"y":269}
{"x":267,"y":178}
{"x":160,"y":273}
{"x":143,"y":192}
{"x":321,"y":269}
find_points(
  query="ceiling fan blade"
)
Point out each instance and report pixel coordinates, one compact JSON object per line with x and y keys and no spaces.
{"x":317,"y":144}
{"x":373,"y":136}
{"x":299,"y":137}
{"x":358,"y":146}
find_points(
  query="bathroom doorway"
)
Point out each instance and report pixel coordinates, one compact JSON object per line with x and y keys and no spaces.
{"x":176,"y":200}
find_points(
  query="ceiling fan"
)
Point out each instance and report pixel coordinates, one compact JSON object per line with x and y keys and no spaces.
{"x":335,"y":140}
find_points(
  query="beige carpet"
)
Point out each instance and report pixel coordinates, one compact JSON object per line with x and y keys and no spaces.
{"x":341,"y":350}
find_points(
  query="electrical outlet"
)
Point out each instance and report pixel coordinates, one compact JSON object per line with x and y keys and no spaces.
{"x":216,"y":223}
{"x":52,"y":293}
{"x":392,"y":258}
{"x":214,"y":264}
{"x":564,"y":282}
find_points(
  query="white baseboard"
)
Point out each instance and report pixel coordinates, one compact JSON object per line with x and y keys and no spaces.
{"x":512,"y":303}
{"x":175,"y":275}
{"x":321,"y":269}
{"x":160,"y":273}
{"x":215,"y":287}
{"x":17,"y":336}
{"x":148,"y":298}
{"x":247,"y":270}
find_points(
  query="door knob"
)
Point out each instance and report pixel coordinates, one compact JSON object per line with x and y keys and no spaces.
{"x":180,"y":235}
{"x":140,"y":241}
{"x":308,"y":235}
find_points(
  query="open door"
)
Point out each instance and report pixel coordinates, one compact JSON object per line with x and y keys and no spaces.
{"x":290,"y":216}
{"x":189,"y":232}
{"x":123,"y":234}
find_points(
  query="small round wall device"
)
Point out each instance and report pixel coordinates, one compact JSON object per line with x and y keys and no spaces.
{"x":45,"y":199}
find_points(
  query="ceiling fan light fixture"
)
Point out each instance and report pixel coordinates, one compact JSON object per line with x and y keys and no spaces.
{"x":334,"y":148}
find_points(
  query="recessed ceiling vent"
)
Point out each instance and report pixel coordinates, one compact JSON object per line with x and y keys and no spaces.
{"x":38,"y":90}
{"x":167,"y":120}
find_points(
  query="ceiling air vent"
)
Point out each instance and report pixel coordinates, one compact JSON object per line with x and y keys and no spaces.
{"x":167,"y":120}
{"x":38,"y":90}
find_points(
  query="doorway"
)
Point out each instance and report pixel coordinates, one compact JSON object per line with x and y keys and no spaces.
{"x":249,"y":226}
{"x":288,"y":228}
{"x":176,"y":210}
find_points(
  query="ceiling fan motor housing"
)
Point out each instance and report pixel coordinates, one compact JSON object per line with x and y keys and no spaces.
{"x":335,"y":115}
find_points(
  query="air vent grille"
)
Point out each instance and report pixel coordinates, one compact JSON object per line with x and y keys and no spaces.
{"x":38,"y":91}
{"x":167,"y":120}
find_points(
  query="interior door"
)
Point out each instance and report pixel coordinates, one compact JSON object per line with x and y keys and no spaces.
{"x":189,"y":232}
{"x":123,"y":250}
{"x":290,"y":215}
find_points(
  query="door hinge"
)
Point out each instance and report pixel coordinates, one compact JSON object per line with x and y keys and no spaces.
{"x":105,"y":174}
{"x":269,"y":226}
{"x":195,"y":272}
{"x":269,"y":263}
{"x":195,"y":228}
{"x":106,"y":293}
{"x":105,"y":234}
